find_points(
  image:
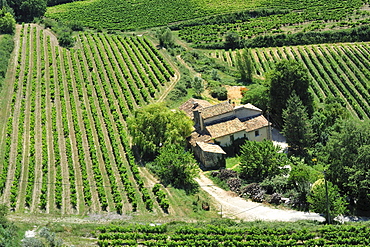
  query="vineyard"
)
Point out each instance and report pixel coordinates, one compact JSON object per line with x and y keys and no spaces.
{"x":340,"y":70}
{"x":246,"y":24}
{"x":132,"y":15}
{"x":212,"y":235}
{"x":66,"y":147}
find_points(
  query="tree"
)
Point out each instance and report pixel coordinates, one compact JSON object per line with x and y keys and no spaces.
{"x":165,"y":37}
{"x":301,"y":177}
{"x":288,"y":76}
{"x":318,"y":203}
{"x":297,"y":126}
{"x":154,"y":126}
{"x":232,"y":40}
{"x":176,"y":166}
{"x":27,"y":10}
{"x":260,"y":160}
{"x":258,"y":95}
{"x":198,"y":86}
{"x":7,"y":22}
{"x":348,"y":155}
{"x":244,"y":64}
{"x":324,"y":119}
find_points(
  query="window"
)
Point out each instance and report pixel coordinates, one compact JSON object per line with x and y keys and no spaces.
{"x":256,"y":133}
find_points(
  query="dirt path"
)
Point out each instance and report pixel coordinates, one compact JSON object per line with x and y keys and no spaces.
{"x":232,"y":206}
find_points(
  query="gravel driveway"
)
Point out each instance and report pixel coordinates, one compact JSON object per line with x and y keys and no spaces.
{"x":232,"y":206}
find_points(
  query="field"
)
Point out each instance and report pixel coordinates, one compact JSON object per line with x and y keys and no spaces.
{"x":139,"y":14}
{"x":340,"y":70}
{"x":303,"y":16}
{"x":233,"y":235}
{"x":65,"y":147}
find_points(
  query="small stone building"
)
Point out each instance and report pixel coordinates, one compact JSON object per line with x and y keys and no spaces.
{"x":224,"y":125}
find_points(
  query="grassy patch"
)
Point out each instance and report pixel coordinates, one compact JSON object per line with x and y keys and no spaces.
{"x":232,"y":162}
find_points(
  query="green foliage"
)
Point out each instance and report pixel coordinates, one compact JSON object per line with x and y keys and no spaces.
{"x":198,"y":86}
{"x":219,"y":92}
{"x":176,"y":167}
{"x":227,"y":232}
{"x":63,"y":31}
{"x":50,"y":237}
{"x":7,"y":22}
{"x":347,"y":154}
{"x":154,"y":126}
{"x":140,"y":14}
{"x":165,"y":37}
{"x":6,"y":48}
{"x":317,"y":199}
{"x":8,"y":231}
{"x":257,"y":27}
{"x":258,"y":95}
{"x":244,"y":63}
{"x":297,"y":126}
{"x":260,"y":160}
{"x":326,"y":117}
{"x":286,"y":77}
{"x":27,"y":10}
{"x":232,"y":40}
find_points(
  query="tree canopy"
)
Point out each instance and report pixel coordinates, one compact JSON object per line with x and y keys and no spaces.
{"x":176,"y":166}
{"x":258,"y":95}
{"x":297,"y":126}
{"x":288,"y":76}
{"x":154,"y":126}
{"x":244,"y":63}
{"x":7,"y":22}
{"x":260,"y":160}
{"x":27,"y":10}
{"x":317,"y":199}
{"x":348,"y":155}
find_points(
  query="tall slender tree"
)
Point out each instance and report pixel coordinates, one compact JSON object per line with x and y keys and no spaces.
{"x":244,"y":63}
{"x":297,"y":126}
{"x":288,"y":76}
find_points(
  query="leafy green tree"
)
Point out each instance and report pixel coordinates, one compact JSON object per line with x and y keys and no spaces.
{"x":232,"y":40}
{"x":301,"y":177}
{"x":165,"y":37}
{"x":7,"y":22}
{"x":258,"y":95}
{"x":244,"y":64}
{"x":219,"y":92}
{"x":198,"y":86}
{"x":176,"y":167}
{"x":288,"y":76}
{"x":348,"y":155}
{"x":27,"y":10}
{"x":154,"y":126}
{"x":260,"y":160}
{"x":324,"y":119}
{"x":318,"y":202}
{"x":297,"y":126}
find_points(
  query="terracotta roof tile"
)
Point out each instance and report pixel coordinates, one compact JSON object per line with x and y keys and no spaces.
{"x":225,"y":128}
{"x":211,"y":147}
{"x":216,"y":110}
{"x":193,"y":104}
{"x":255,"y":123}
{"x":199,"y":136}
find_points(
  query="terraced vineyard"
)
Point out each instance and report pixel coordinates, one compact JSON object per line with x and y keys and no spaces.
{"x":341,"y":70}
{"x":66,"y":147}
{"x":211,"y":235}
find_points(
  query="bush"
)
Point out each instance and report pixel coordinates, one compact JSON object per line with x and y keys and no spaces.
{"x":219,"y":92}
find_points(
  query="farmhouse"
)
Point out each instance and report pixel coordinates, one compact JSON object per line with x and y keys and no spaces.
{"x":221,"y":128}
